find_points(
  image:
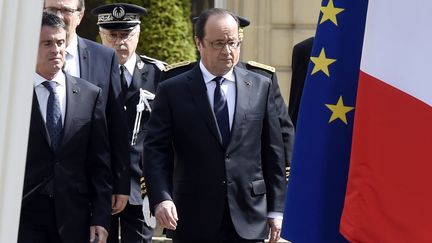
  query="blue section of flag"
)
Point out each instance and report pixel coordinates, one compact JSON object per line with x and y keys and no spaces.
{"x":319,"y":168}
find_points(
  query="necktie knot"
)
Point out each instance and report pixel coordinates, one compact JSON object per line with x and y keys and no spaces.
{"x":50,"y":86}
{"x":219,"y":80}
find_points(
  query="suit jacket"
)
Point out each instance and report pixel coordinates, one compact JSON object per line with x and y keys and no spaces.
{"x":146,"y":76}
{"x":300,"y":62}
{"x":203,"y":176}
{"x":286,"y":124}
{"x":81,"y":165}
{"x":99,"y":65}
{"x":287,"y":127}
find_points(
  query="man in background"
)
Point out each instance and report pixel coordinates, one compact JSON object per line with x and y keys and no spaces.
{"x":300,"y":62}
{"x":136,"y":72}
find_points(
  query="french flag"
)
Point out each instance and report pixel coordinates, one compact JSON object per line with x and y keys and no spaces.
{"x":389,"y":190}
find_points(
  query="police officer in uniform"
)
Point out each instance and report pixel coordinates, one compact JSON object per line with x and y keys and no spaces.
{"x":265,"y":70}
{"x":119,"y":28}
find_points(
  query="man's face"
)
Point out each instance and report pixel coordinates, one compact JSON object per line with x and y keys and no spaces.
{"x":123,"y":41}
{"x":51,"y":52}
{"x":68,"y":11}
{"x":220,"y":47}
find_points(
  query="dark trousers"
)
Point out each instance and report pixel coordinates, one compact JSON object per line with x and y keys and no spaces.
{"x":227,"y":233}
{"x":38,"y":222}
{"x":130,"y":223}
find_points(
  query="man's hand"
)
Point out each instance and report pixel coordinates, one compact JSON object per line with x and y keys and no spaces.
{"x":99,"y":232}
{"x":275,"y":229}
{"x":118,"y":203}
{"x":166,"y":214}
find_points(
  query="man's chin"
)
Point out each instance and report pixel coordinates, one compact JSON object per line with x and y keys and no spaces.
{"x":55,"y":68}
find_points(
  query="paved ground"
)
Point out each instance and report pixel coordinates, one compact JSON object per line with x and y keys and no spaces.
{"x":159,"y":238}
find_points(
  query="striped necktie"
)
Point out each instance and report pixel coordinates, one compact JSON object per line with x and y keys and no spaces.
{"x":53,"y":115}
{"x":220,"y":108}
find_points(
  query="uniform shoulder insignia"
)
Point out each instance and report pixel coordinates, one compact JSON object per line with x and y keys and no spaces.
{"x":176,"y":65}
{"x":262,"y":66}
{"x":160,"y":64}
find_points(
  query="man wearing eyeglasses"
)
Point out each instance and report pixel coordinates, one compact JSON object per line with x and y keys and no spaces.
{"x":214,"y":158}
{"x":99,"y":65}
{"x":119,"y":28}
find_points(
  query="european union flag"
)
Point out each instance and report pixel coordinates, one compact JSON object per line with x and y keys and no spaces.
{"x":319,"y":169}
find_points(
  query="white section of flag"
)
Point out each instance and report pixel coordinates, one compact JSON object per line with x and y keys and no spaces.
{"x":397,"y":46}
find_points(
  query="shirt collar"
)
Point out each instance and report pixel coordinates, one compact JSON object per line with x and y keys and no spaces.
{"x":208,"y":77}
{"x":60,"y":78}
{"x":72,"y":48}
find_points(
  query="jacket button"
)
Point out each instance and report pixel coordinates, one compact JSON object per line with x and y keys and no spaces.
{"x":227,"y":156}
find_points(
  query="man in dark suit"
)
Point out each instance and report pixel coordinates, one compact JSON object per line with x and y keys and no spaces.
{"x":287,"y":127}
{"x":215,"y":168}
{"x":300,"y":62}
{"x":98,"y":64}
{"x":67,"y":186}
{"x":138,"y":72}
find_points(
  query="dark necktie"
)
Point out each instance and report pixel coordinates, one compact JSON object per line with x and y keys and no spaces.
{"x":53,"y":115}
{"x":220,"y":108}
{"x":123,"y":81}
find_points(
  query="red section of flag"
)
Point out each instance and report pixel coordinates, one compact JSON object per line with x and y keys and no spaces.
{"x":389,"y":192}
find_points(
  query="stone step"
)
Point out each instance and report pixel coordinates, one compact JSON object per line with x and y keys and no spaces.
{"x":160,"y":239}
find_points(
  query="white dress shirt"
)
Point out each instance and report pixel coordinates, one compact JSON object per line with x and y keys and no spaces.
{"x":43,"y":93}
{"x":72,"y":64}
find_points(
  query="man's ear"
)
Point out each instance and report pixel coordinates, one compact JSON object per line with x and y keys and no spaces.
{"x":197,"y":43}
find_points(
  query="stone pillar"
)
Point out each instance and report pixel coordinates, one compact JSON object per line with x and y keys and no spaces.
{"x":20,"y":28}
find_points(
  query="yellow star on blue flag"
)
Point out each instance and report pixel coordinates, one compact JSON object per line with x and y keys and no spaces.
{"x":339,"y":110}
{"x":321,"y":63}
{"x":329,"y":12}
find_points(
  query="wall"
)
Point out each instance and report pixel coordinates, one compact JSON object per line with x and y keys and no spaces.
{"x":276,"y":26}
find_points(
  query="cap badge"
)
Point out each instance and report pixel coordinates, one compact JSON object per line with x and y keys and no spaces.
{"x":118,"y":12}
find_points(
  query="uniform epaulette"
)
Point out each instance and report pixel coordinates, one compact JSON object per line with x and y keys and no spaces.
{"x":176,"y":65}
{"x":262,"y":66}
{"x":160,"y":64}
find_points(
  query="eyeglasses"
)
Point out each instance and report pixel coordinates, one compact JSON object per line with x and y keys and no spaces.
{"x":218,"y":45}
{"x":64,"y":11}
{"x":113,"y":36}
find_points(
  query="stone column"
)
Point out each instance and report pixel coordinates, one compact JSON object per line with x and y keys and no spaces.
{"x":20,"y":28}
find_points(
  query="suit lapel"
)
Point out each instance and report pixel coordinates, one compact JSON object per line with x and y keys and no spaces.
{"x":72,"y":104}
{"x":38,"y":120}
{"x":243,"y":95}
{"x":199,"y":95}
{"x":84,"y":59}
